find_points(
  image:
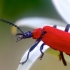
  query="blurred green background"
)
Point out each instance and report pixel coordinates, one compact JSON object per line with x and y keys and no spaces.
{"x":15,"y":9}
{"x":10,"y":51}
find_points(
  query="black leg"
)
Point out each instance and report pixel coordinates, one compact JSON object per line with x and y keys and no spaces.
{"x":26,"y":59}
{"x":55,"y":26}
{"x":62,"y":57}
{"x":67,"y":27}
{"x":66,"y":30}
{"x":41,"y":48}
{"x":31,"y":49}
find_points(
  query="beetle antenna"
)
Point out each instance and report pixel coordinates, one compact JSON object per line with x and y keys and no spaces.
{"x":5,"y":21}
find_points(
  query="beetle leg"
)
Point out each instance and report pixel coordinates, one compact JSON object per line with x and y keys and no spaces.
{"x":61,"y":57}
{"x":67,"y":27}
{"x":42,"y":54}
{"x":31,"y":49}
{"x":61,"y":53}
{"x":55,"y":26}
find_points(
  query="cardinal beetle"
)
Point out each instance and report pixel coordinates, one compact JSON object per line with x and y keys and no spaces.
{"x":51,"y":36}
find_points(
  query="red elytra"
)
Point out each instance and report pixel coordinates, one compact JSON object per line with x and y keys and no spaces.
{"x":55,"y":38}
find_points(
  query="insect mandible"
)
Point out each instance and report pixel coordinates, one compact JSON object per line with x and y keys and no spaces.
{"x":51,"y":36}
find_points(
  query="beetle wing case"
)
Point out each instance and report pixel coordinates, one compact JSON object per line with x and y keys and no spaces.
{"x":57,"y":39}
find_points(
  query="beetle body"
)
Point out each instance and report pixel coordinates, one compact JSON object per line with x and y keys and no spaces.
{"x":51,"y":36}
{"x":55,"y":38}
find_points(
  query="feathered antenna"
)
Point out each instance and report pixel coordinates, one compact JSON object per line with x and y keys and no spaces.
{"x":5,"y":21}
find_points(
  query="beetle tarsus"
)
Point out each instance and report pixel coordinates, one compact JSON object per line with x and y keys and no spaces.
{"x":42,"y":54}
{"x":26,"y":59}
{"x":41,"y":48}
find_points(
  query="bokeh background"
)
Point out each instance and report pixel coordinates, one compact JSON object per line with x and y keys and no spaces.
{"x":11,"y":51}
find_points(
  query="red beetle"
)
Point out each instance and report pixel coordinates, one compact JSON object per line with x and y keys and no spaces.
{"x":55,"y":38}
